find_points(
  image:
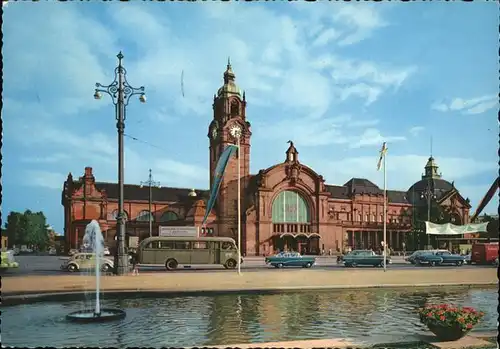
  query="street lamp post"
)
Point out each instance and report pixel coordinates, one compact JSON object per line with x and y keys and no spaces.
{"x":428,"y":194}
{"x":150,"y":183}
{"x":120,"y":92}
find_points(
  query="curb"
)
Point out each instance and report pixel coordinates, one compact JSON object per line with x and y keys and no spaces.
{"x":14,"y":298}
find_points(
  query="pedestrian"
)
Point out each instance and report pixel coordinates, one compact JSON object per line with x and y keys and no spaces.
{"x":133,"y":261}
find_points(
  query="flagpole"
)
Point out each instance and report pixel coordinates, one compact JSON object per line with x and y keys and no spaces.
{"x":239,"y":203}
{"x":385,"y":215}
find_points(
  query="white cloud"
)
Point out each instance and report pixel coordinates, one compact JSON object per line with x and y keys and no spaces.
{"x":52,"y":158}
{"x":44,"y":179}
{"x":363,"y":90}
{"x":364,"y":79}
{"x":372,"y":136}
{"x":415,"y":130}
{"x":334,"y":130}
{"x":361,"y":20}
{"x":477,"y":105}
{"x":72,"y":67}
{"x":326,"y":36}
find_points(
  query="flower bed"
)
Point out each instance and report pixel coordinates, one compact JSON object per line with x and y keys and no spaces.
{"x":449,"y":322}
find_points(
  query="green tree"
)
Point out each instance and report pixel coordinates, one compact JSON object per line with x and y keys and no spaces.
{"x":27,"y":228}
{"x":492,"y":229}
{"x":438,"y":214}
{"x":14,"y":229}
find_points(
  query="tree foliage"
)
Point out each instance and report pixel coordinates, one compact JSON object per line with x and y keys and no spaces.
{"x":492,"y":229}
{"x":438,"y":214}
{"x":28,"y":228}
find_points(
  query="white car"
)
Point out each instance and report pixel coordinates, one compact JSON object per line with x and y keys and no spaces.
{"x":52,"y":252}
{"x":106,"y":251}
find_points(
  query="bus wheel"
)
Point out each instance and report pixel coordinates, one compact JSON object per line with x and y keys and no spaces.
{"x":230,"y":264}
{"x":171,"y":264}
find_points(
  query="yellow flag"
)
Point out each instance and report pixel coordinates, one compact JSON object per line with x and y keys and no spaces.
{"x":382,"y":155}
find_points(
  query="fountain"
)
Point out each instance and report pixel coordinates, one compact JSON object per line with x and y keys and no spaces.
{"x":94,"y":239}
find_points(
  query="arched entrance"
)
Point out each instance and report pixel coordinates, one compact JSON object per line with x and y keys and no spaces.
{"x":291,"y":219}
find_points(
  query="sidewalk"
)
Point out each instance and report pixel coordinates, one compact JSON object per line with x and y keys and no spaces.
{"x":266,"y":280}
{"x":473,"y":340}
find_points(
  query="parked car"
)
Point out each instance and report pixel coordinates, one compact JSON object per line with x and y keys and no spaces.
{"x":365,"y":257}
{"x":413,"y":257}
{"x":484,"y":253}
{"x":86,"y":261}
{"x":72,"y":252}
{"x":440,"y":258}
{"x":8,"y":260}
{"x":106,"y":251}
{"x":290,"y":259}
{"x":52,"y":252}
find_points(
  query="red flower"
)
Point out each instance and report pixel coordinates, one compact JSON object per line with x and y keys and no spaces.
{"x":461,"y":320}
{"x":469,"y":326}
{"x":442,"y":318}
{"x":429,"y":314}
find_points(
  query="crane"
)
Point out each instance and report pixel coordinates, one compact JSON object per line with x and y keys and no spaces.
{"x":486,"y":199}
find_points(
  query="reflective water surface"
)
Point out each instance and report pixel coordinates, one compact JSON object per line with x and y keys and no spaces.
{"x":232,"y":319}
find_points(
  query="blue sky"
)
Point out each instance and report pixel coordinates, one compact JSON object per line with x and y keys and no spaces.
{"x":336,"y":78}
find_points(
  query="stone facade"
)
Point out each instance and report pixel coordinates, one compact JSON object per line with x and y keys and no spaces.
{"x":286,"y":206}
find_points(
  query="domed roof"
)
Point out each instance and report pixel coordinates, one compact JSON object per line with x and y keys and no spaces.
{"x":431,"y":182}
{"x":229,"y":87}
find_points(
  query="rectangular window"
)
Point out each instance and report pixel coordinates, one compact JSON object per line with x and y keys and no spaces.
{"x":200,"y":245}
{"x":182,"y":245}
{"x":168,"y":245}
{"x":153,"y":245}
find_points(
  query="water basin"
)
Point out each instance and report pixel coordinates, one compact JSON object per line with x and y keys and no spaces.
{"x":357,"y":315}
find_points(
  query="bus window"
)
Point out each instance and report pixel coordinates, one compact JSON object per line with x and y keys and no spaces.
{"x":200,"y":245}
{"x":153,"y":244}
{"x":168,"y":245}
{"x":182,"y":245}
{"x":226,"y":245}
{"x":216,"y":245}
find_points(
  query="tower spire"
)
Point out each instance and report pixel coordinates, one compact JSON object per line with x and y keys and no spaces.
{"x":431,"y":146}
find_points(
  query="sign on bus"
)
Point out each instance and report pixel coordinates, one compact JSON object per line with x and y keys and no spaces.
{"x":178,"y":231}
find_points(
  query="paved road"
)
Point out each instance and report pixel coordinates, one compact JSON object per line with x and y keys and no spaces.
{"x":50,"y":265}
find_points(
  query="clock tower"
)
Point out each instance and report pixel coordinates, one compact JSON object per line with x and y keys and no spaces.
{"x":229,"y":121}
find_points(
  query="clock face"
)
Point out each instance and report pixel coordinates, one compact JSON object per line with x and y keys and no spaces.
{"x":235,"y":131}
{"x":214,"y":133}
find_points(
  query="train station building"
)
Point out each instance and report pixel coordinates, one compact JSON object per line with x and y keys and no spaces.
{"x":285,"y":206}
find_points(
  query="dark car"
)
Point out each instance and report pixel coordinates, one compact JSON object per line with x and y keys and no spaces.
{"x":413,"y":257}
{"x":290,"y":259}
{"x":440,"y":258}
{"x":364,"y":257}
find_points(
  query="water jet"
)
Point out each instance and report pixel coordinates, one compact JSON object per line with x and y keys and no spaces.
{"x":94,"y":239}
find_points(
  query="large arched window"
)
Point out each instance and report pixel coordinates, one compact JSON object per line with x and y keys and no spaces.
{"x":114,"y":215}
{"x":169,"y":216}
{"x":143,"y":216}
{"x":290,"y":207}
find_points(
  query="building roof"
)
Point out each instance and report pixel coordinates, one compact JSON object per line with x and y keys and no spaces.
{"x":135,"y":192}
{"x":439,"y":187}
{"x":364,"y":186}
